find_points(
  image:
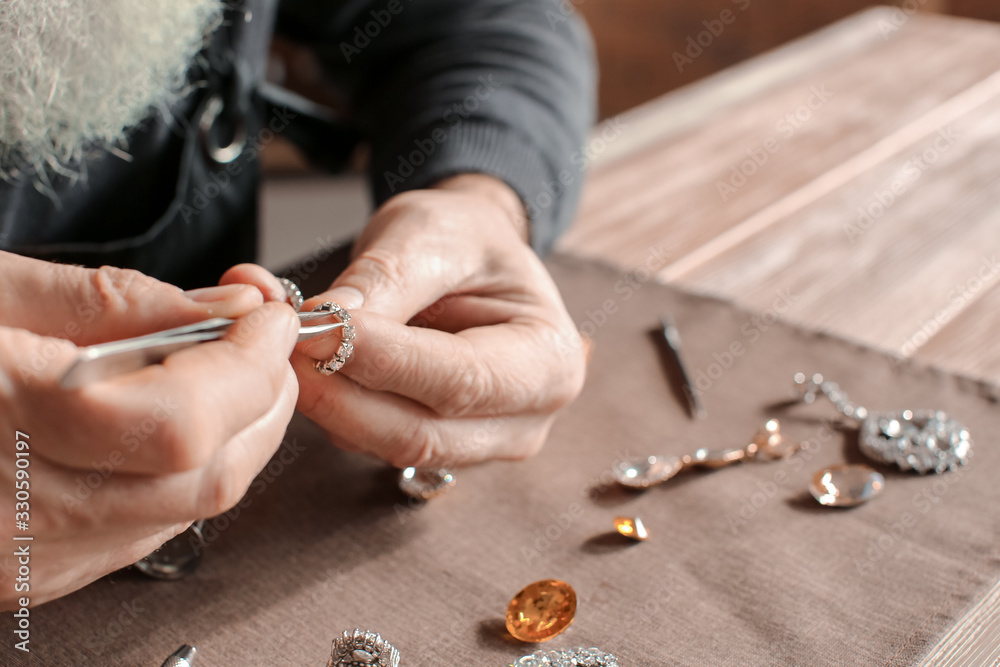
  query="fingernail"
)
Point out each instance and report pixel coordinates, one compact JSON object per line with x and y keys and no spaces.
{"x":214,"y":294}
{"x":348,"y":297}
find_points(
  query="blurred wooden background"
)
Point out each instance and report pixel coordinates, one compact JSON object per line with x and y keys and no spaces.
{"x":637,"y":39}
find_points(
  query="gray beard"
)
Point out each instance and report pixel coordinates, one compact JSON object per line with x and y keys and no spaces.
{"x":75,"y":75}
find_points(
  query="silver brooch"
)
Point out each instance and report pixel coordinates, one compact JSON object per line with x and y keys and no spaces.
{"x":583,"y":657}
{"x":362,"y":648}
{"x":920,"y":440}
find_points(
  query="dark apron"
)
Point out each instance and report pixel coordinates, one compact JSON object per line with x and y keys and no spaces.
{"x":184,"y":209}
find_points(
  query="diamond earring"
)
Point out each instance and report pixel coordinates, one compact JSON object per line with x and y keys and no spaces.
{"x":921,"y":440}
{"x":768,"y":444}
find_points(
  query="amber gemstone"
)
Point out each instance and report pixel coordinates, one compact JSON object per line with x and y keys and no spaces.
{"x":541,"y":610}
{"x":631,"y":527}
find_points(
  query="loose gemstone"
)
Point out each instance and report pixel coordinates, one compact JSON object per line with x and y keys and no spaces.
{"x":541,"y":610}
{"x":425,"y":483}
{"x":846,"y":485}
{"x":631,"y":527}
{"x":646,"y":472}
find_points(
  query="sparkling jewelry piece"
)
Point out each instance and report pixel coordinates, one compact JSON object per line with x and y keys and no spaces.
{"x":425,"y":483}
{"x":569,"y":658}
{"x":292,"y":294}
{"x":846,"y":485}
{"x":631,"y":527}
{"x":347,"y":333}
{"x":541,"y":610}
{"x":921,"y":440}
{"x":177,"y":557}
{"x":766,"y":445}
{"x":714,"y":458}
{"x":646,"y":472}
{"x":359,"y":648}
{"x":770,"y":443}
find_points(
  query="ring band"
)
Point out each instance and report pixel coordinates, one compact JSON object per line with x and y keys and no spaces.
{"x":293,"y":295}
{"x":346,"y":348}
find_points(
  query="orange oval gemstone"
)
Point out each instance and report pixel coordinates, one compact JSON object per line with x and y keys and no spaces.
{"x":541,"y":610}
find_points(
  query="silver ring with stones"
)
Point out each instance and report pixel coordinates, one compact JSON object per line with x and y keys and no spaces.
{"x":361,"y":648}
{"x":568,"y":658}
{"x":293,"y":295}
{"x":346,"y":348}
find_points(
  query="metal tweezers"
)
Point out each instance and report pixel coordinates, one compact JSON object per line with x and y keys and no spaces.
{"x":107,"y":360}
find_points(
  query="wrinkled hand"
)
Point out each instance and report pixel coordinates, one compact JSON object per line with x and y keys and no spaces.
{"x":489,"y":355}
{"x":120,"y":466}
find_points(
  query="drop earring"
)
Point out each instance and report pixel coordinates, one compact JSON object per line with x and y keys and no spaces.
{"x":920,"y":440}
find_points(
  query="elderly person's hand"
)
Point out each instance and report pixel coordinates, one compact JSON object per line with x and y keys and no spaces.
{"x":118,"y":467}
{"x":464,"y":349}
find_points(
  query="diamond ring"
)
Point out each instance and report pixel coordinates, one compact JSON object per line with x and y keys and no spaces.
{"x":346,"y":348}
{"x":293,"y":295}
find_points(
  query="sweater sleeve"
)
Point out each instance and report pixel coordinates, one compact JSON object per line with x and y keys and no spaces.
{"x":444,"y":87}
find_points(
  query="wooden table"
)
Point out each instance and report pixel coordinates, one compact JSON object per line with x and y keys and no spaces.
{"x":847,"y":182}
{"x":778,"y":175}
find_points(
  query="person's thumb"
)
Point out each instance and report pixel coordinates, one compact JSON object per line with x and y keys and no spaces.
{"x":90,"y":306}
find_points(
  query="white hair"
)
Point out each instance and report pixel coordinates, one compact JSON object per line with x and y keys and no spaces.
{"x":76,"y":74}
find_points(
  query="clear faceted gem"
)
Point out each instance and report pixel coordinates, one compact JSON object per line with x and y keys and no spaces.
{"x":425,"y":483}
{"x":541,"y":610}
{"x":846,"y":485}
{"x":921,"y":440}
{"x":646,"y":472}
{"x":631,"y":527}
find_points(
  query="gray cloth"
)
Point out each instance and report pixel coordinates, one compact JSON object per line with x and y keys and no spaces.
{"x":742,"y":566}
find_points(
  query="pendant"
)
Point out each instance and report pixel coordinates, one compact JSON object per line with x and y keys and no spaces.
{"x":920,"y":440}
